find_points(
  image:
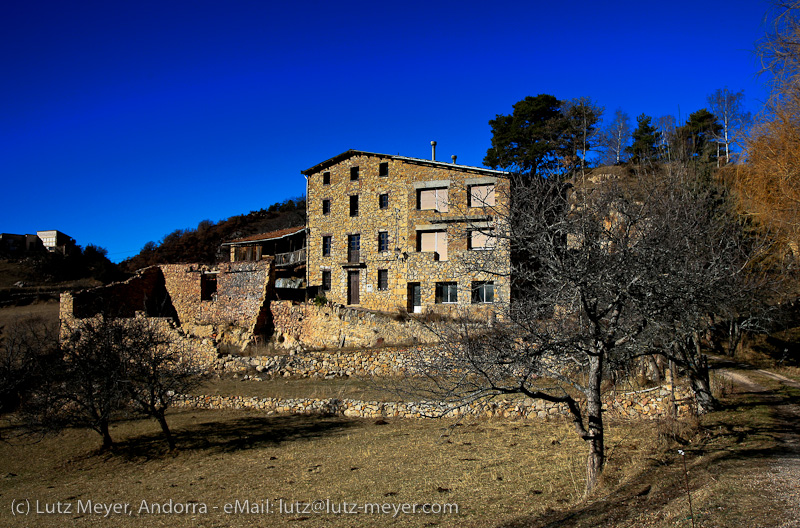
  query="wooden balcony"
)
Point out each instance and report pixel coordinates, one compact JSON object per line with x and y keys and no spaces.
{"x":290,"y":259}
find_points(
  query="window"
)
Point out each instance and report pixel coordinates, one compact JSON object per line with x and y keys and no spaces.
{"x":383,"y":279}
{"x":480,"y":239}
{"x":353,"y":248}
{"x":383,"y":241}
{"x":326,"y":206}
{"x":326,"y":178}
{"x":326,"y":280}
{"x":354,"y":205}
{"x":482,"y":292}
{"x":327,"y":243}
{"x":383,"y":169}
{"x":383,"y":201}
{"x":433,"y":241}
{"x":446,"y":292}
{"x":481,"y":195}
{"x":435,"y":199}
{"x":354,"y":173}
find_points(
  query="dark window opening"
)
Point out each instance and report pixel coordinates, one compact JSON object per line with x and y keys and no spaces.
{"x":208,"y":287}
{"x":482,"y":292}
{"x":446,"y":292}
{"x":354,"y":173}
{"x":326,"y":206}
{"x":383,"y":279}
{"x":383,"y":201}
{"x":354,"y":205}
{"x":383,"y":169}
{"x":383,"y":241}
{"x":327,"y":243}
{"x":326,"y":178}
{"x":353,"y":248}
{"x":326,"y":280}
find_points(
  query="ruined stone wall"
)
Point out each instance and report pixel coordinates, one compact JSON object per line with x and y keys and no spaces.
{"x":333,"y":326}
{"x":238,"y":309}
{"x":144,"y":292}
{"x":401,"y":221}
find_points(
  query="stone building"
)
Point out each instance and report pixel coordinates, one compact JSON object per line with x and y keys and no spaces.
{"x":287,"y":247}
{"x":396,"y":233}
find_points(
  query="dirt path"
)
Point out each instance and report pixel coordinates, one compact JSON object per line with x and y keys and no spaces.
{"x":783,"y":474}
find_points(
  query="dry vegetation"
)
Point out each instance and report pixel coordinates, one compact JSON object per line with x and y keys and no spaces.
{"x":500,"y":473}
{"x":493,"y":470}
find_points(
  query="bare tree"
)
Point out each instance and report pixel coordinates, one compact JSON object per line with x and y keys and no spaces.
{"x":615,"y":138}
{"x":602,"y":275}
{"x":729,"y":109}
{"x":159,"y":372}
{"x":85,"y":387}
{"x":667,"y":127}
{"x":26,"y":347}
{"x":110,"y":366}
{"x":583,"y":115}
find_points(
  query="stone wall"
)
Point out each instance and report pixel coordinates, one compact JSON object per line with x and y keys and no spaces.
{"x":649,"y":404}
{"x":238,"y":309}
{"x":379,"y":362}
{"x":333,"y":326}
{"x":144,"y":292}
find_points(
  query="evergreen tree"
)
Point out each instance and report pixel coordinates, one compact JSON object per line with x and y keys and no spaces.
{"x":645,"y":141}
{"x":533,"y":138}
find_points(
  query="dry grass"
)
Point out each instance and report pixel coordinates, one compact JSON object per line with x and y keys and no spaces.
{"x":492,"y":470}
{"x":47,"y":311}
{"x":730,"y":455}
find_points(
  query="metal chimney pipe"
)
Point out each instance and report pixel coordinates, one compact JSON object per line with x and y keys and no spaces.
{"x":433,"y":150}
{"x":454,"y":158}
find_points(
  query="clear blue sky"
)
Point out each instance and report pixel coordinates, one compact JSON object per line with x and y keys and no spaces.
{"x":124,"y":120}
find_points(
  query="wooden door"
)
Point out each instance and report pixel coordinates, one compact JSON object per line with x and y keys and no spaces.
{"x":352,"y":287}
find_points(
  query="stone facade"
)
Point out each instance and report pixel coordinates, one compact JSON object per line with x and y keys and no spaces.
{"x":408,"y":234}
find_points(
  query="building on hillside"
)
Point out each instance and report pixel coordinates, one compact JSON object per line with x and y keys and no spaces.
{"x":57,"y":242}
{"x":395,"y":233}
{"x":17,"y":245}
{"x":288,"y":249}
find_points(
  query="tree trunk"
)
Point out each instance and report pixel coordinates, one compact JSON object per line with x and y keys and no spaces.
{"x":108,"y":443}
{"x":594,"y":411}
{"x":701,"y":385}
{"x":162,"y":421}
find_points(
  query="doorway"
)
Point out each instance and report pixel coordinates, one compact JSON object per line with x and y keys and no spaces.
{"x":352,"y":287}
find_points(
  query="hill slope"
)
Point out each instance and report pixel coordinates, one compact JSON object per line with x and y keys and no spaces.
{"x":202,"y":244}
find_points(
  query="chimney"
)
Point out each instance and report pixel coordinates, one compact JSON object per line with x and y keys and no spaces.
{"x":454,"y":158}
{"x":433,"y":150}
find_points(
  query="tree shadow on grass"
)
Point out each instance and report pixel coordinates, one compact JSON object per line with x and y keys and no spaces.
{"x":232,"y":434}
{"x":712,"y":454}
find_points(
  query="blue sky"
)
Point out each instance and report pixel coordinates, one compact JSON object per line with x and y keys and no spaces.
{"x":123,"y":121}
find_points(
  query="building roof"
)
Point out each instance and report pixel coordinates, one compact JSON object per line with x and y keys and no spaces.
{"x":350,"y":153}
{"x":264,"y":237}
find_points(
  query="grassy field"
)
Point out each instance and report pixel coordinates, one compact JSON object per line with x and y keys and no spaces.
{"x":46,"y":310}
{"x":492,"y":470}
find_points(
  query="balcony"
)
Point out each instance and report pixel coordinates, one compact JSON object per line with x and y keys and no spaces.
{"x":292,"y":258}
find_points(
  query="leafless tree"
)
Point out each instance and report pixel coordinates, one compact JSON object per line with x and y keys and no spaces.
{"x":109,"y":366}
{"x":614,"y":138}
{"x":26,"y":347}
{"x":158,"y":373}
{"x":603,"y":274}
{"x":729,"y":108}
